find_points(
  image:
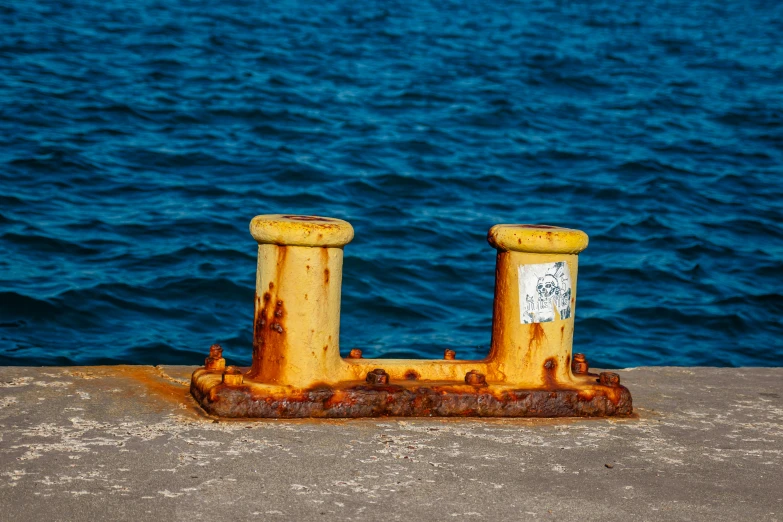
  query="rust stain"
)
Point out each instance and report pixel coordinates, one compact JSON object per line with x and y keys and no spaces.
{"x":163,"y":388}
{"x":163,"y":394}
{"x":281,"y":255}
{"x":310,"y":218}
{"x":269,"y":330}
{"x":550,"y":373}
{"x":499,"y":311}
{"x":537,"y":336}
{"x":411,"y":375}
{"x":325,"y":263}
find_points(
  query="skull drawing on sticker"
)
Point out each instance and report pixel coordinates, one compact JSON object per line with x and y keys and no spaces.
{"x":548,"y":286}
{"x":544,"y":292}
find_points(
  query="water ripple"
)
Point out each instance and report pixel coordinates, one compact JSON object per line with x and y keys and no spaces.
{"x":138,"y":139}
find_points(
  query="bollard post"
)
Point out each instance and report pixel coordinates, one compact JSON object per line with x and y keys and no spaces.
{"x":535,"y":301}
{"x":297,"y":304}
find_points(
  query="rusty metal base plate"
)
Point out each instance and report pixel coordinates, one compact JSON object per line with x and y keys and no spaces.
{"x":415,"y":399}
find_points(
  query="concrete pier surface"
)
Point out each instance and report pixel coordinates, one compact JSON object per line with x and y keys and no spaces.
{"x":128,"y":443}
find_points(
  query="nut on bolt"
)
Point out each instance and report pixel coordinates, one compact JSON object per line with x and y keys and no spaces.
{"x":232,"y":376}
{"x":609,"y":379}
{"x":579,"y":365}
{"x":378,"y":376}
{"x":475,"y":378}
{"x":449,"y":355}
{"x":215,"y":361}
{"x":355,"y":354}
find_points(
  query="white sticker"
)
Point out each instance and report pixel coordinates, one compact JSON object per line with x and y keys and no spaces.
{"x":544,"y":292}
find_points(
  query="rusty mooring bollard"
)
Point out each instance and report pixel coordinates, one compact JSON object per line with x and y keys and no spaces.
{"x":297,"y":370}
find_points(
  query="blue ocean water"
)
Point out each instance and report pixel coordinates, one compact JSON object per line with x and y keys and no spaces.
{"x":137,"y":140}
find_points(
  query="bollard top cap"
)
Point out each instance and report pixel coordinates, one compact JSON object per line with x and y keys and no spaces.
{"x":539,"y":239}
{"x":296,"y":230}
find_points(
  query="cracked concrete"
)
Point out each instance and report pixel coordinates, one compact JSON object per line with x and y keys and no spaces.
{"x":128,"y":443}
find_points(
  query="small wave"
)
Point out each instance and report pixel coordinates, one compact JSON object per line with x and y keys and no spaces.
{"x":135,"y":154}
{"x":42,"y":243}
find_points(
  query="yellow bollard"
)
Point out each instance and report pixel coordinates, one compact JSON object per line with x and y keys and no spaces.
{"x":297,"y":370}
{"x":535,"y":300}
{"x":297,"y":304}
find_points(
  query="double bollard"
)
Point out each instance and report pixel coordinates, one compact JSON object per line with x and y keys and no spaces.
{"x":297,"y":370}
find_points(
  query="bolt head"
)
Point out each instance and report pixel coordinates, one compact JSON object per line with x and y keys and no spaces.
{"x":378,"y":377}
{"x":355,"y":354}
{"x":475,"y":378}
{"x":579,"y":365}
{"x":232,"y":376}
{"x":579,"y":368}
{"x":609,"y":379}
{"x":214,"y":363}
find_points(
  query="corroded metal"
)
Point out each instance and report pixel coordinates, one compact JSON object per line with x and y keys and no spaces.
{"x":411,"y":400}
{"x":579,"y":365}
{"x":233,"y":376}
{"x":609,"y":379}
{"x":378,"y":377}
{"x":297,"y":370}
{"x":475,"y":378}
{"x":215,"y":361}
